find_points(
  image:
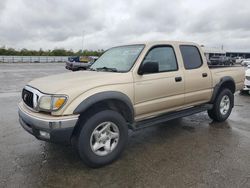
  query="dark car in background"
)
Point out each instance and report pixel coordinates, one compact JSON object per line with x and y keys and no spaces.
{"x":74,"y":59}
{"x":221,"y":60}
{"x":76,"y":63}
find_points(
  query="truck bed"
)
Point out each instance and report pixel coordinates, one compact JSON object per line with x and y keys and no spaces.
{"x":236,"y":72}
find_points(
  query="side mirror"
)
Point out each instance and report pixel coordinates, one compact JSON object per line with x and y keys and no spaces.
{"x":149,"y":67}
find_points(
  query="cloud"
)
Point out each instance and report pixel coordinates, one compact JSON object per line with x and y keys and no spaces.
{"x":62,"y":23}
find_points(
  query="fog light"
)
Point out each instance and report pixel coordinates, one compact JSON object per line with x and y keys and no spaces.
{"x":44,"y":134}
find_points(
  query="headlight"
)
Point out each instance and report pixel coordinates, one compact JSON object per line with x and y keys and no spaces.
{"x":51,"y":102}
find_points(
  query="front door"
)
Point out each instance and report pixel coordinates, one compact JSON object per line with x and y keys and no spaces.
{"x":161,"y":91}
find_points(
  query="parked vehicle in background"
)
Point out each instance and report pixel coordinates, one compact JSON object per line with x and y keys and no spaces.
{"x":80,"y":62}
{"x":245,"y":62}
{"x":221,"y":60}
{"x":128,"y":87}
{"x":231,"y":61}
{"x":74,"y":59}
{"x":238,"y":59}
{"x":247,"y":81}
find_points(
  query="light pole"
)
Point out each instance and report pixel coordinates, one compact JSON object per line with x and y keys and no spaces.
{"x":82,"y":41}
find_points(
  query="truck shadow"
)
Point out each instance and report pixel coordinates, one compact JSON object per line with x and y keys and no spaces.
{"x":180,"y":145}
{"x":55,"y":154}
{"x":220,"y":125}
{"x":158,"y":135}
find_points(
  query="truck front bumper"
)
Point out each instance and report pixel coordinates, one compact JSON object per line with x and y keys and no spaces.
{"x":46,"y":127}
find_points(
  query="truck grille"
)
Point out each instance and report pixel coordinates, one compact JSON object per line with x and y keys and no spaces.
{"x":27,"y":97}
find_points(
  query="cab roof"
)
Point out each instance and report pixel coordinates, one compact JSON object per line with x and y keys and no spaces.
{"x":151,"y":43}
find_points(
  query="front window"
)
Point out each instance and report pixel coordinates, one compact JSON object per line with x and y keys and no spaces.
{"x":164,"y":56}
{"x":118,"y":59}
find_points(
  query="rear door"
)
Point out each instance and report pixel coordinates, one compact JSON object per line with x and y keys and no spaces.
{"x":198,"y":81}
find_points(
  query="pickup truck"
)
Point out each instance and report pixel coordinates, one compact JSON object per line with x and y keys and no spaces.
{"x":129,"y":87}
{"x":80,"y":63}
{"x":221,"y":60}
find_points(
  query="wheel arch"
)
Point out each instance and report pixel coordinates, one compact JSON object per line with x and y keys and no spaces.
{"x":109,"y":99}
{"x":225,"y":82}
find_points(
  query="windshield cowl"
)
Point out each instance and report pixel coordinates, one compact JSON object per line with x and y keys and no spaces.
{"x":107,"y":69}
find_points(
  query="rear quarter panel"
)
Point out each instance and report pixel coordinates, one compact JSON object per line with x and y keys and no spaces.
{"x":237,"y":73}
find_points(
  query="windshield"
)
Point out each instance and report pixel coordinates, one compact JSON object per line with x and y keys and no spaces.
{"x":118,"y":59}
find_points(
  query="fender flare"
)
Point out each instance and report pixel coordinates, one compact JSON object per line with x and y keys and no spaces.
{"x":102,"y":96}
{"x":219,"y":85}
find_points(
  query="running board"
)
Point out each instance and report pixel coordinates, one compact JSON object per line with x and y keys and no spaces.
{"x":169,"y":116}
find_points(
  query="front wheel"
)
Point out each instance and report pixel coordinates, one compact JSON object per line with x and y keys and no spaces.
{"x":102,"y":139}
{"x":222,"y":106}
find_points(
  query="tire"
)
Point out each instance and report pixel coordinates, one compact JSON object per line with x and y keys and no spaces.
{"x":218,"y":112}
{"x":93,"y":135}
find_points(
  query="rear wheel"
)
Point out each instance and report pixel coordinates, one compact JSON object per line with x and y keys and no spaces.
{"x":222,"y":106}
{"x":102,"y":138}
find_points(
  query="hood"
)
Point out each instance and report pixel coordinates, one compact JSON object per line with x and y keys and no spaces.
{"x":80,"y":80}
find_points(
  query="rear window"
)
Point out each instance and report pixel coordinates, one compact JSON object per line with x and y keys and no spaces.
{"x":191,"y":57}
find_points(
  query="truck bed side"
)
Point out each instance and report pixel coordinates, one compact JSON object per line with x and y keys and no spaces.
{"x":236,"y":73}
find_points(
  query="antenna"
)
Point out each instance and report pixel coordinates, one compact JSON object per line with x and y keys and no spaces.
{"x":83,"y":40}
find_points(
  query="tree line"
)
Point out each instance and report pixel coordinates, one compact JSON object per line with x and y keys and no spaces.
{"x":55,"y":52}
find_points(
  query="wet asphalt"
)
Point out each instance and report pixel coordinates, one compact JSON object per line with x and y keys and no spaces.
{"x":187,"y":152}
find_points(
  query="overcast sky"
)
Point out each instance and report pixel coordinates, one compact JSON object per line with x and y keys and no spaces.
{"x":50,"y":24}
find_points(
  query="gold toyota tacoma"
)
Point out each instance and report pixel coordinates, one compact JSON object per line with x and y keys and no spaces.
{"x":128,"y":87}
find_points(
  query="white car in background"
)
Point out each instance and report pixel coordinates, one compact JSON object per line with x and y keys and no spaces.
{"x":245,"y":62}
{"x":247,"y":81}
{"x":239,"y":60}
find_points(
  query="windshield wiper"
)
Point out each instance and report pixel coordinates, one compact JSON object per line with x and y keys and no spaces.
{"x":107,"y":69}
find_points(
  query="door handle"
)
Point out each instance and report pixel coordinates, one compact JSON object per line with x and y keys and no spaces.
{"x":178,"y":79}
{"x":204,"y":74}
